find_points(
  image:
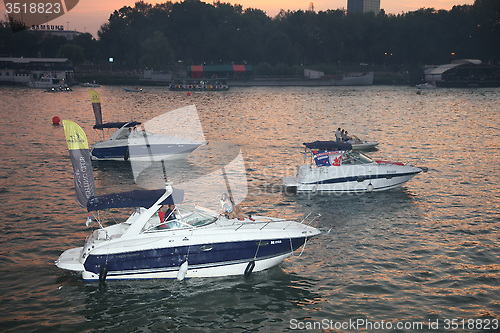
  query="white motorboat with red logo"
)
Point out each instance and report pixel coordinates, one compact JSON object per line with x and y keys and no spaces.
{"x":335,"y":167}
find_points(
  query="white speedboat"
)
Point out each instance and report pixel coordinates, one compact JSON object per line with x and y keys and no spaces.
{"x":425,"y":86}
{"x":358,"y":144}
{"x":196,"y":243}
{"x":137,"y":89}
{"x":133,"y":142}
{"x":130,"y":142}
{"x":335,"y":167}
{"x":189,"y":242}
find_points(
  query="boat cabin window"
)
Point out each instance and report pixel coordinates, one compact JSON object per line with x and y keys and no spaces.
{"x":140,"y":134}
{"x":363,"y":158}
{"x":352,"y":157}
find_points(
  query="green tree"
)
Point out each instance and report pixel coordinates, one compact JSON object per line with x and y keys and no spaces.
{"x":89,"y":45}
{"x":73,"y":52}
{"x":278,"y":48}
{"x":202,"y":33}
{"x":157,"y":52}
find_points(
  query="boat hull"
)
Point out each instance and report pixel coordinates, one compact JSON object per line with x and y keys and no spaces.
{"x":222,"y":259}
{"x":157,"y":152}
{"x":364,"y":145}
{"x":348,"y":179}
{"x":230,"y":269}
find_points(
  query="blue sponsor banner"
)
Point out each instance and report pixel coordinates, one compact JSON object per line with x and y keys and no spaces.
{"x":327,"y":158}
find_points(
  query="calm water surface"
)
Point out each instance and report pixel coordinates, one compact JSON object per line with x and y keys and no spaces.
{"x":421,"y":254}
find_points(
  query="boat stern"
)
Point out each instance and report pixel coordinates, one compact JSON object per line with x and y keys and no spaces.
{"x":290,"y":182}
{"x":70,"y":260}
{"x":304,"y":173}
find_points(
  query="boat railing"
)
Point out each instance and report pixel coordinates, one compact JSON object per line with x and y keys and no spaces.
{"x":265,"y":225}
{"x":313,"y":218}
{"x":100,"y":234}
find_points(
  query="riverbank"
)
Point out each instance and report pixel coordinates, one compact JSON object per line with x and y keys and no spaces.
{"x":134,"y":79}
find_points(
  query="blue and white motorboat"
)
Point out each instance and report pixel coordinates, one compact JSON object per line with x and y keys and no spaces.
{"x":130,"y":142}
{"x":189,"y":242}
{"x":197,"y":243}
{"x":335,"y":167}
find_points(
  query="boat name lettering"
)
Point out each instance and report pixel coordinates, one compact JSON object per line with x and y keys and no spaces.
{"x":276,"y":242}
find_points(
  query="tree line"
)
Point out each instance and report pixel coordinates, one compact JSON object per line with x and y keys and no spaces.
{"x":193,"y":32}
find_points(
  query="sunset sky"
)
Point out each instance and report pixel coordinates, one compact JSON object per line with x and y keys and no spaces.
{"x":89,"y":15}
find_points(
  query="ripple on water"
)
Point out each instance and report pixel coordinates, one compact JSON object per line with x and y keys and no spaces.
{"x":426,"y":251}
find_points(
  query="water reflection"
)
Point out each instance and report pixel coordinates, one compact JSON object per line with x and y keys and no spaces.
{"x":426,"y":251}
{"x":219,"y":303}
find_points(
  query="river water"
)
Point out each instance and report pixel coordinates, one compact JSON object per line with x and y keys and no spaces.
{"x":419,"y":258}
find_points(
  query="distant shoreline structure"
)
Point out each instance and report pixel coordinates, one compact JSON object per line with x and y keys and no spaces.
{"x":352,"y":79}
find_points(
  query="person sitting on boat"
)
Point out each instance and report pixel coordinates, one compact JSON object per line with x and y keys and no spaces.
{"x":167,"y":213}
{"x":229,"y":209}
{"x":345,"y":136}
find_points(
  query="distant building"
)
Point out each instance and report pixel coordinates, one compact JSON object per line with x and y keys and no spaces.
{"x":312,"y":74}
{"x":363,"y":6}
{"x":233,"y":72}
{"x":151,"y":75}
{"x":25,"y":70}
{"x":464,"y":73}
{"x":56,"y":30}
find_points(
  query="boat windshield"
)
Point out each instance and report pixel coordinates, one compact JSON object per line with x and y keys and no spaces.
{"x":354,"y":157}
{"x":122,"y":133}
{"x":194,"y":217}
{"x":140,"y":133}
{"x":185,"y":218}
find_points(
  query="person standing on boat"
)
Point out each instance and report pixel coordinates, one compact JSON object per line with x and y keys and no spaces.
{"x":338,"y":135}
